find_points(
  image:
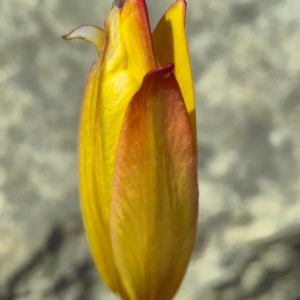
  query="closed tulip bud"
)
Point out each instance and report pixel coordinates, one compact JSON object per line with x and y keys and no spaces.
{"x":137,"y":152}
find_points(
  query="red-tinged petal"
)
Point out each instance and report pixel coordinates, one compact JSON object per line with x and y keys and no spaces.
{"x":170,"y":46}
{"x":95,"y":220}
{"x":155,"y":193}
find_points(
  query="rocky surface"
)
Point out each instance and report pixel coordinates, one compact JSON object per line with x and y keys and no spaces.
{"x":246,"y":65}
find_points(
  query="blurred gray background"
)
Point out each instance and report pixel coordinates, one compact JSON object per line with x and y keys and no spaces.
{"x":246,"y":63}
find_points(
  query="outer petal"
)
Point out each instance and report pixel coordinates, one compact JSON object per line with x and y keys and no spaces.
{"x":154,"y":208}
{"x":93,"y":216}
{"x":170,"y":46}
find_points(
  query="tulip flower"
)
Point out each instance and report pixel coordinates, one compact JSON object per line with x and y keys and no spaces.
{"x":137,"y":152}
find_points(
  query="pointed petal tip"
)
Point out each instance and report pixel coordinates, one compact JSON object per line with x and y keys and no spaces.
{"x":89,"y":33}
{"x":65,"y":37}
{"x":165,"y":70}
{"x":182,"y":1}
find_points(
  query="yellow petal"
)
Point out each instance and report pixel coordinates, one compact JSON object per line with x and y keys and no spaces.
{"x":115,"y":88}
{"x":170,"y":46}
{"x":154,"y":204}
{"x":94,"y":220}
{"x":137,"y":37}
